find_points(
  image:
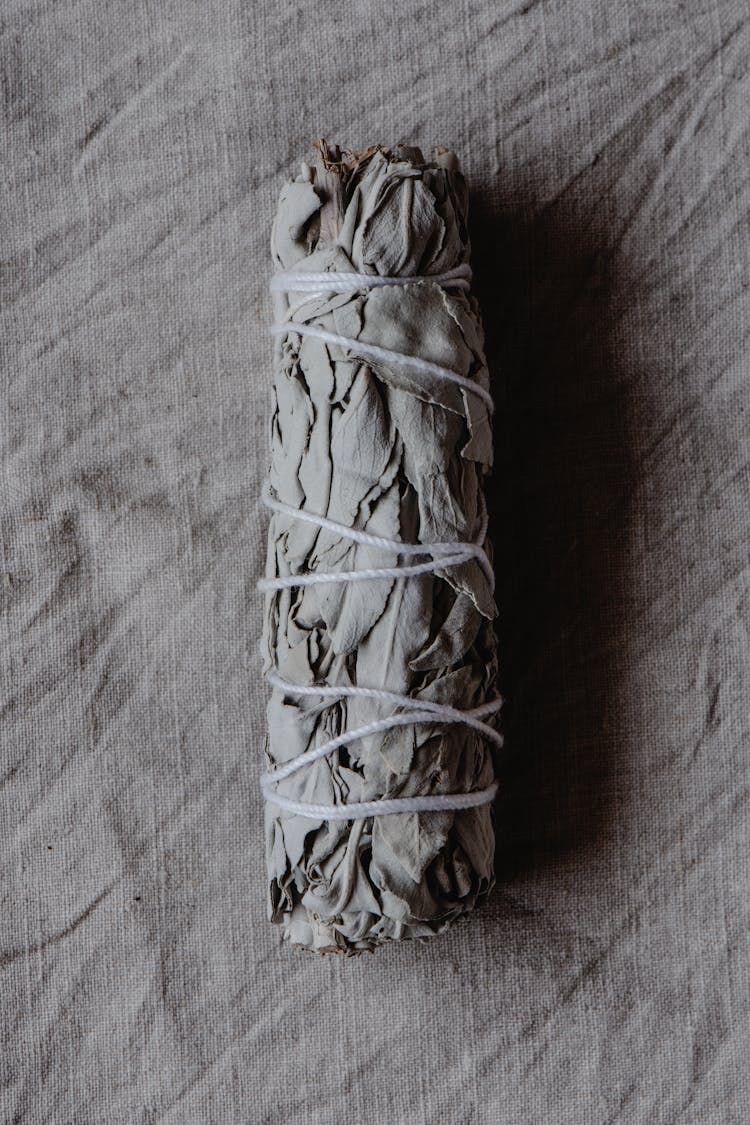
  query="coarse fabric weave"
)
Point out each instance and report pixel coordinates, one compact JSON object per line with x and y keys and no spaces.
{"x":607,"y":978}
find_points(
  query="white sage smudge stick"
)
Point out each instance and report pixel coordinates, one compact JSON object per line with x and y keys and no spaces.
{"x":378,"y":639}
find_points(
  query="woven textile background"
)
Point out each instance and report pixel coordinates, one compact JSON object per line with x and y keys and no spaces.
{"x":608,"y":977}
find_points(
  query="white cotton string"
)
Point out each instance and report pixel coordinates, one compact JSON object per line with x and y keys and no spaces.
{"x":385,"y":355}
{"x":355,"y":810}
{"x":342,"y":691}
{"x":426,"y":711}
{"x":444,"y":555}
{"x":289,"y":281}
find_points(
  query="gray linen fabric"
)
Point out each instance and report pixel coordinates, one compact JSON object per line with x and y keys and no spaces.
{"x":607,"y":978}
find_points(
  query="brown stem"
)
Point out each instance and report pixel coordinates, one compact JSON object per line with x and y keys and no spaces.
{"x":328,"y":169}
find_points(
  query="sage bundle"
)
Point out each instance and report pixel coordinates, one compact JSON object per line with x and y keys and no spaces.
{"x":378,"y":638}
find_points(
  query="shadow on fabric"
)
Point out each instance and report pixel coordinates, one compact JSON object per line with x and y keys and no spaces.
{"x":560,"y":499}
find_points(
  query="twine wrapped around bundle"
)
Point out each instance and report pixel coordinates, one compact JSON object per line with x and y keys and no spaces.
{"x":378,"y":637}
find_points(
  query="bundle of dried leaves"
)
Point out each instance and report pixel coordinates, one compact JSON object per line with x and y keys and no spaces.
{"x":395,"y":452}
